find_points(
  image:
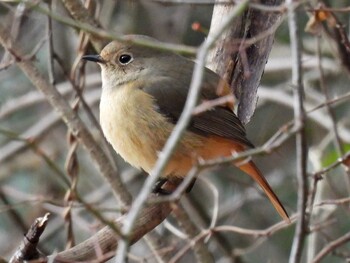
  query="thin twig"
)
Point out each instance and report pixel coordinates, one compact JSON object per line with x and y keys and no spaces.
{"x":301,"y":152}
{"x":317,"y":189}
{"x":33,"y":145}
{"x":159,"y":248}
{"x":37,"y":130}
{"x":71,"y":119}
{"x":107,"y":35}
{"x":50,"y":47}
{"x":72,"y":163}
{"x":331,"y":247}
{"x":201,"y":252}
{"x":321,"y":119}
{"x":34,"y":97}
{"x":262,"y":7}
{"x":82,"y":15}
{"x":334,"y":202}
{"x":15,"y":216}
{"x":18,"y":17}
{"x":244,"y":231}
{"x":28,"y":248}
{"x":338,"y":162}
{"x":149,"y":218}
{"x":331,"y":113}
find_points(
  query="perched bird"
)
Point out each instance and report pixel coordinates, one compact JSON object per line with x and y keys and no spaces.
{"x":144,"y":91}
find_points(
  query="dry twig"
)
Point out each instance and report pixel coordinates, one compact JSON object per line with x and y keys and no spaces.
{"x":301,"y":151}
{"x":73,"y":122}
{"x":28,"y":249}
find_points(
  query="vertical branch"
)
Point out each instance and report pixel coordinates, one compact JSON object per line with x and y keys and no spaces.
{"x":72,"y":168}
{"x":15,"y":26}
{"x":155,"y":243}
{"x":240,"y":63}
{"x":331,"y":113}
{"x":81,"y":14}
{"x":301,"y":152}
{"x":314,"y":237}
{"x":50,"y":46}
{"x":317,"y":189}
{"x":72,"y":163}
{"x":201,"y":251}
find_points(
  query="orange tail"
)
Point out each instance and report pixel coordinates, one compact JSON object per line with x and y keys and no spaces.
{"x":254,"y":172}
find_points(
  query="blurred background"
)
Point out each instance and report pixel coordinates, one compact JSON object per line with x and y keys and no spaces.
{"x":34,"y":145}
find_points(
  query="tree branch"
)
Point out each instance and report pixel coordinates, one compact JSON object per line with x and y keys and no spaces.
{"x":28,"y":248}
{"x":331,"y":247}
{"x":71,"y":119}
{"x":106,"y":239}
{"x":301,"y":151}
{"x":242,"y":66}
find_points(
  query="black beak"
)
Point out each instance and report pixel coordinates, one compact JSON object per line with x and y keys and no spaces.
{"x":94,"y":58}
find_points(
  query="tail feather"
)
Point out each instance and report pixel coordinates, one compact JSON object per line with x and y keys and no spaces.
{"x":251,"y":169}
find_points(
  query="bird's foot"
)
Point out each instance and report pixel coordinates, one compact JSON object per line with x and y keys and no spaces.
{"x":157,"y":188}
{"x":190,"y":186}
{"x":165,"y":187}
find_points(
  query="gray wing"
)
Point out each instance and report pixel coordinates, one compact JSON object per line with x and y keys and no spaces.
{"x":220,"y":121}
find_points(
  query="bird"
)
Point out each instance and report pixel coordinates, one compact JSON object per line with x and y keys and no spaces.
{"x":144,"y":91}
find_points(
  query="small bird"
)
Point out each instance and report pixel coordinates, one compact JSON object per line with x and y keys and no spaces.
{"x":144,"y":91}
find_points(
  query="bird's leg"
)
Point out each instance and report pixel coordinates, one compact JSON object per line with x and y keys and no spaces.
{"x":190,"y":186}
{"x":170,"y":186}
{"x":157,"y":188}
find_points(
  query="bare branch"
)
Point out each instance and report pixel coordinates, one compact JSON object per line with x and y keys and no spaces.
{"x":201,"y":251}
{"x":331,"y":113}
{"x":83,"y":15}
{"x":72,"y":120}
{"x":301,"y":152}
{"x":244,"y":65}
{"x":28,"y":249}
{"x":331,"y":247}
{"x":106,"y":35}
{"x":106,"y":239}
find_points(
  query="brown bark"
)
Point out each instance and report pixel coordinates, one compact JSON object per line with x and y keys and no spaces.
{"x":242,"y":66}
{"x":106,"y":240}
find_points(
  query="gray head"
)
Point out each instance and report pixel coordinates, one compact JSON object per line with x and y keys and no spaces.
{"x":123,"y":62}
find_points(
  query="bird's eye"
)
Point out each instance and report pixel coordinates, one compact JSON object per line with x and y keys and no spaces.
{"x":125,"y":59}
